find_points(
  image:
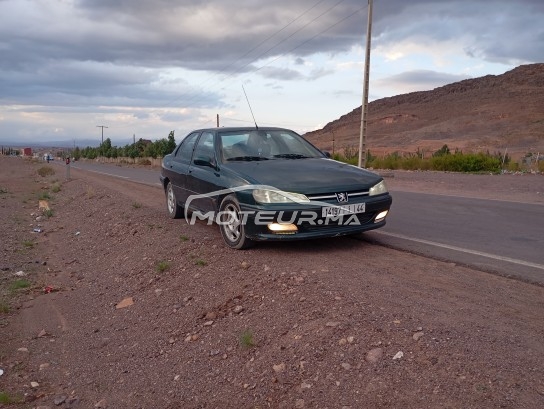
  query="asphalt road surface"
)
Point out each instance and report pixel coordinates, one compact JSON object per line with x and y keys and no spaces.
{"x":492,"y":235}
{"x":499,"y":236}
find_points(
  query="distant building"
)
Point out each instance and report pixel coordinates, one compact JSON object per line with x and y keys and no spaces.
{"x":27,"y":151}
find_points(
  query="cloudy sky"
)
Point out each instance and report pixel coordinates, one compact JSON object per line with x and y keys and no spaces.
{"x":146,"y":67}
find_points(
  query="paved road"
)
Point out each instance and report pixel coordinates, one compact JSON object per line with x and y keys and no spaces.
{"x":147,"y":176}
{"x":500,"y":236}
{"x":493,"y":235}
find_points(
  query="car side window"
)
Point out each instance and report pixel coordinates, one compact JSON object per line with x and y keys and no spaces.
{"x":185,"y":151}
{"x":204,"y":148}
{"x":233,"y":144}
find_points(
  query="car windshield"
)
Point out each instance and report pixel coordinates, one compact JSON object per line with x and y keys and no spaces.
{"x":254,"y":145}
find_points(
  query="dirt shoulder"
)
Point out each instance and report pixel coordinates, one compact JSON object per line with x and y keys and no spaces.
{"x":319,"y":324}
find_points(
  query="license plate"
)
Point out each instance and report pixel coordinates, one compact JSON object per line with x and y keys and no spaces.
{"x":332,"y":211}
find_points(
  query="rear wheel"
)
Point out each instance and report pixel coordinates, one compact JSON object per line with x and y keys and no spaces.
{"x":232,"y":226}
{"x":172,"y":206}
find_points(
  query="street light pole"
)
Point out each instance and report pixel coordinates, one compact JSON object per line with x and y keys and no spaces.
{"x":102,"y":126}
{"x":364,"y":105}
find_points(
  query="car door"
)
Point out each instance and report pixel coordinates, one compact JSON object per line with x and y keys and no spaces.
{"x":204,"y":176}
{"x":179,"y":166}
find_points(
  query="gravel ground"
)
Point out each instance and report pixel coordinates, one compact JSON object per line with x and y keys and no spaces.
{"x":118,"y":306}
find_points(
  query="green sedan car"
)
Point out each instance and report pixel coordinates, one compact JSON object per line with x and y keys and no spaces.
{"x":261,"y":184}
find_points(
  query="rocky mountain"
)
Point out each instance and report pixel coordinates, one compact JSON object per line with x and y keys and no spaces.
{"x":490,"y":113}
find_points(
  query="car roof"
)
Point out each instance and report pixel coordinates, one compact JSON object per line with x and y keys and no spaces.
{"x":242,"y":128}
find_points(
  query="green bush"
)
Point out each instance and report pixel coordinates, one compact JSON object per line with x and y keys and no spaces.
{"x":442,"y":160}
{"x":470,"y":162}
{"x":513,"y":167}
{"x":46,"y":171}
{"x":44,"y":196}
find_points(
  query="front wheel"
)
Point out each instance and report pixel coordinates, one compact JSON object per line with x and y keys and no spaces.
{"x":174,"y":209}
{"x":231,"y":224}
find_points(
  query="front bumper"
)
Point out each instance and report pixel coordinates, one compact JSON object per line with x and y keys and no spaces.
{"x":309,"y":221}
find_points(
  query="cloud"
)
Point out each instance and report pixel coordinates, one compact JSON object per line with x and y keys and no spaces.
{"x":146,"y":58}
{"x":509,"y":32}
{"x":280,"y":73}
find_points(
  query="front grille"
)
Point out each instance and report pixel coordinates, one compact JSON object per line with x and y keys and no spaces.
{"x":332,"y":196}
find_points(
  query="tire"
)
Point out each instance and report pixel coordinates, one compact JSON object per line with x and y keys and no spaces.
{"x":173,"y":208}
{"x":232,"y":229}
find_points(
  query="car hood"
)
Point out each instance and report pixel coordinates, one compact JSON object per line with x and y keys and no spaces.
{"x":308,"y":176}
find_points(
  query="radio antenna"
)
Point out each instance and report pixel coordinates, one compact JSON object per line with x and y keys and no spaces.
{"x":247,"y":99}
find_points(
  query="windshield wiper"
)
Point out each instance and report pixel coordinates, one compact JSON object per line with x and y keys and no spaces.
{"x":291,"y":156}
{"x":247,"y":158}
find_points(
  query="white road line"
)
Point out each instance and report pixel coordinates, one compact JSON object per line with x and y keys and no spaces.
{"x":467,"y":197}
{"x":463,"y":250}
{"x":108,"y":174}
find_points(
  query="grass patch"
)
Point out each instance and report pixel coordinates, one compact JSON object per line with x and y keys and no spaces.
{"x":45,"y":196}
{"x":7,"y":399}
{"x":46,"y":171}
{"x":90,"y":193}
{"x":136,"y":205}
{"x":200,"y":262}
{"x":28,"y":244}
{"x":48,"y":213}
{"x":163,"y":266}
{"x":183,"y":238}
{"x":4,"y":307}
{"x":247,"y":340}
{"x":19,"y":285}
{"x":55,"y":188}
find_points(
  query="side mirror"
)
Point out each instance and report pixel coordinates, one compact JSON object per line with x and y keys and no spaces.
{"x":326,"y":153}
{"x":205,"y":161}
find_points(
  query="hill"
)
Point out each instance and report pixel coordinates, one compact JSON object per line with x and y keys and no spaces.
{"x":490,"y":113}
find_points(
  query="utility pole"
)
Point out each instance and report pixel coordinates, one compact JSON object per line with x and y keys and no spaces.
{"x":217,"y":120}
{"x":364,"y":106}
{"x":102,"y":126}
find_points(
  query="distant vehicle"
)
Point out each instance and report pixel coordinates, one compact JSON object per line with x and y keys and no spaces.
{"x":269,"y":184}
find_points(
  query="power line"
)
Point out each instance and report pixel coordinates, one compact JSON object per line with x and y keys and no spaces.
{"x":287,"y":38}
{"x":251,"y":50}
{"x":312,"y":38}
{"x":301,"y":44}
{"x":239,"y":69}
{"x":273,"y":35}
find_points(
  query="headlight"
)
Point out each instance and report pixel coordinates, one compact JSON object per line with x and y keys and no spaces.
{"x":378,"y":189}
{"x":277,"y":196}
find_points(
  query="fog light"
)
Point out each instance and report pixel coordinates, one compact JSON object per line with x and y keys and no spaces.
{"x":381,"y":216}
{"x":282,"y":228}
